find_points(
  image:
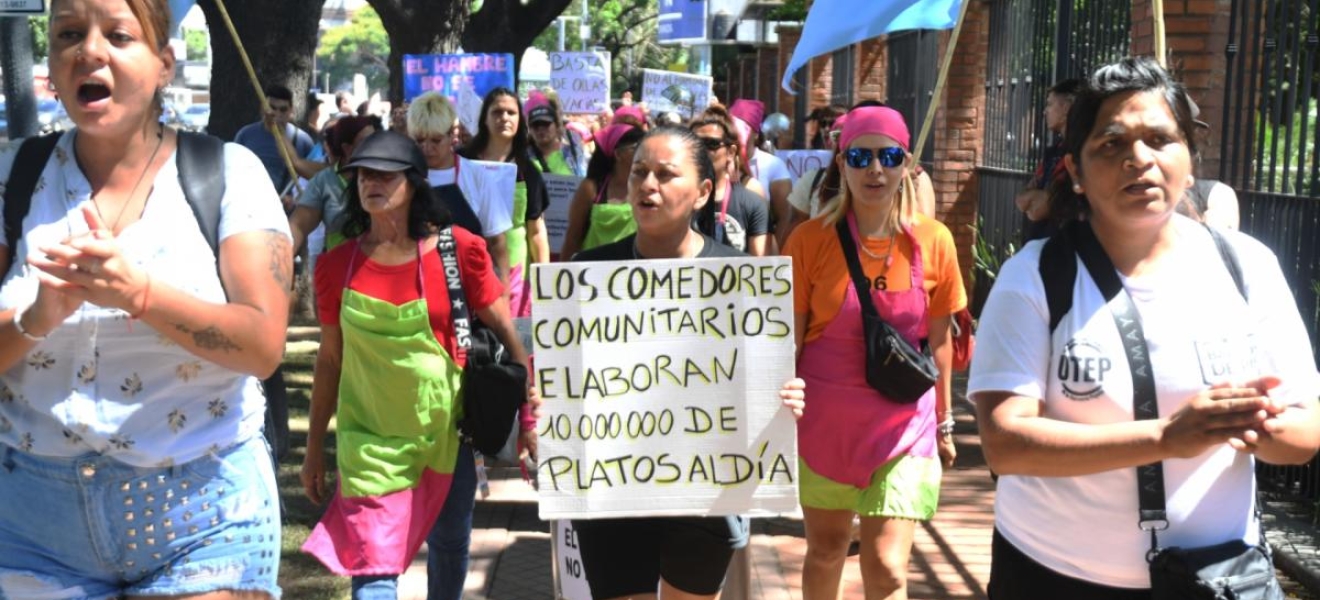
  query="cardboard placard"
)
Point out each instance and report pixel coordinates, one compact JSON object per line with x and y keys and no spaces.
{"x":660,"y":381}
{"x":802,"y":161}
{"x":582,"y":80}
{"x":560,"y":190}
{"x":655,"y":82}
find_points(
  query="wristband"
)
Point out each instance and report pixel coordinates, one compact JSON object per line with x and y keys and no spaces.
{"x":945,"y":427}
{"x":18,"y":324}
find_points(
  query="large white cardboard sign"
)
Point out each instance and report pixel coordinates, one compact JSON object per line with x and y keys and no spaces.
{"x":582,"y":80}
{"x":660,"y":381}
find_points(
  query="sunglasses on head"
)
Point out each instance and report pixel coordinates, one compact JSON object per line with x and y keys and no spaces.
{"x":860,"y":158}
{"x":713,"y":144}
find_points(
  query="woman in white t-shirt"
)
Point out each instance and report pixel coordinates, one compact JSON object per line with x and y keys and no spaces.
{"x":132,"y":338}
{"x":1233,"y":372}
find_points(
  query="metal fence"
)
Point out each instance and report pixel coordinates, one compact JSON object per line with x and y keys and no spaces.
{"x":1033,"y":43}
{"x":912,"y":66}
{"x":1271,"y":137}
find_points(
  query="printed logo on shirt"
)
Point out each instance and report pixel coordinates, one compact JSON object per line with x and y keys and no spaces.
{"x":1082,"y":368}
{"x":1223,"y":360}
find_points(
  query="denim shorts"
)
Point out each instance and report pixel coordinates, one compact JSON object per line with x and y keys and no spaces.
{"x":93,"y":527}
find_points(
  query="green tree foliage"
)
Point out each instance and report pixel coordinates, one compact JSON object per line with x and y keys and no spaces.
{"x":624,"y":28}
{"x":361,"y":46}
{"x":39,"y":46}
{"x":197,"y":40}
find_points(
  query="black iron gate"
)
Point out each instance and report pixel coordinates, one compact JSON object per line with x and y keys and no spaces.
{"x":1033,"y":43}
{"x":912,"y":67}
{"x":1270,"y":138}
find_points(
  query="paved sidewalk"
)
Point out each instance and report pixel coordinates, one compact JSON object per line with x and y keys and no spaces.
{"x":950,"y":557}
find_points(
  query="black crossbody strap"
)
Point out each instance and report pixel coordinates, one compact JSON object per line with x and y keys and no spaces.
{"x":1150,"y":478}
{"x":858,"y":276}
{"x":458,"y":309}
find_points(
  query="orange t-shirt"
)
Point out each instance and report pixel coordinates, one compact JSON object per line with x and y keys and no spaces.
{"x":820,"y":273}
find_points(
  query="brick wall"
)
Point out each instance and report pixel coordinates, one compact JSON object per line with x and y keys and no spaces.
{"x":767,"y":74}
{"x":959,"y":130}
{"x":820,"y":78}
{"x":872,"y":70}
{"x":1196,"y":33}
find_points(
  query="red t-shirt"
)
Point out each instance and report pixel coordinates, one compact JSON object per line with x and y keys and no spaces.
{"x":398,"y":284}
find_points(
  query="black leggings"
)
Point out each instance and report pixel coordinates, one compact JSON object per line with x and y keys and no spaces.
{"x":1015,"y":576}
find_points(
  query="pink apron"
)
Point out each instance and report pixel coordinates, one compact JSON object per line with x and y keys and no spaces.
{"x":849,"y":429}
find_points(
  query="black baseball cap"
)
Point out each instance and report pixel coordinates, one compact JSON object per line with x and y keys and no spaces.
{"x":541,"y":113}
{"x":388,"y":151}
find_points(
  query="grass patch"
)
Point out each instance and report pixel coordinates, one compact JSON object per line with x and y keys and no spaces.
{"x":301,"y":575}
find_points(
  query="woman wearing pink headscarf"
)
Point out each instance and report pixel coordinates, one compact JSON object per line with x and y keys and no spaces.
{"x":600,"y":213}
{"x":862,"y":453}
{"x":766,"y":168}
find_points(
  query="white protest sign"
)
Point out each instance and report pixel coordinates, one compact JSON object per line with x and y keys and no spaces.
{"x":572,"y":579}
{"x":802,"y":161}
{"x":487,"y":184}
{"x":582,"y":80}
{"x":660,"y":381}
{"x":655,"y":83}
{"x":468,"y":106}
{"x":560,"y":189}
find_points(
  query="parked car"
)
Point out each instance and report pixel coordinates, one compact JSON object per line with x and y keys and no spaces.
{"x":51,"y":116}
{"x":195,"y":117}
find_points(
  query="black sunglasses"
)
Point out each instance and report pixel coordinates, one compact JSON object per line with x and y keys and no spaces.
{"x":713,"y":144}
{"x":860,"y":158}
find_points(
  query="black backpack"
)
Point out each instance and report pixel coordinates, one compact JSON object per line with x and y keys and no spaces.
{"x":200,"y":159}
{"x":1058,"y":266}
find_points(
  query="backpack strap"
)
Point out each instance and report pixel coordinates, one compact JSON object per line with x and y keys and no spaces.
{"x":1230,"y":259}
{"x":201,"y":160}
{"x":28,"y":165}
{"x":1058,"y":271}
{"x":1058,"y":268}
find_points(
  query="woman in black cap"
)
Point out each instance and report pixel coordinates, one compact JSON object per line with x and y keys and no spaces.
{"x":389,"y":369}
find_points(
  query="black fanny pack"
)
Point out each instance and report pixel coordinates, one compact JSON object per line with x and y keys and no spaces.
{"x":896,"y":369}
{"x":494,"y":384}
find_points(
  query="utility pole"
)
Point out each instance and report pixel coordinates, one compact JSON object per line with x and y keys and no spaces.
{"x":16,"y":60}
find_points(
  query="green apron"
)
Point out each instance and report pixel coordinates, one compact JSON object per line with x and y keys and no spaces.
{"x":609,"y":223}
{"x":516,"y":238}
{"x":398,"y":395}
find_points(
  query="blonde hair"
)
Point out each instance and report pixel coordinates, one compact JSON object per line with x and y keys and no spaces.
{"x":431,"y":114}
{"x":902,"y":210}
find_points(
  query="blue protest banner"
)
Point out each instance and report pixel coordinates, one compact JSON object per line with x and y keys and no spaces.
{"x":443,"y":73}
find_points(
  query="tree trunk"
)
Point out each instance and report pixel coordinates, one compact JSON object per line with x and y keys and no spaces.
{"x":419,"y":27}
{"x":510,"y":26}
{"x":280,"y":39}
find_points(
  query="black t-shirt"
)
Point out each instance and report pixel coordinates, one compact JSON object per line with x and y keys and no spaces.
{"x":623,"y":250}
{"x":538,"y":200}
{"x":749,"y":216}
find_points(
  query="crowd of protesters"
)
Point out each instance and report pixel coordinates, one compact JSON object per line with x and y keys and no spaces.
{"x":133,"y":342}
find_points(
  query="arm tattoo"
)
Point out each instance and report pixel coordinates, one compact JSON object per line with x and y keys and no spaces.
{"x":281,"y":259}
{"x":209,"y":338}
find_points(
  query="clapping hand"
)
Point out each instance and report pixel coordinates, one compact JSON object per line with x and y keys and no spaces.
{"x":88,"y":267}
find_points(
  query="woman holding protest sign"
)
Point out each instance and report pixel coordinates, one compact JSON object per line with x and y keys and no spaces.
{"x":737,"y":216}
{"x":672,"y":178}
{"x":502,"y":137}
{"x":863,"y":452}
{"x":390,"y":370}
{"x":600,"y":213}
